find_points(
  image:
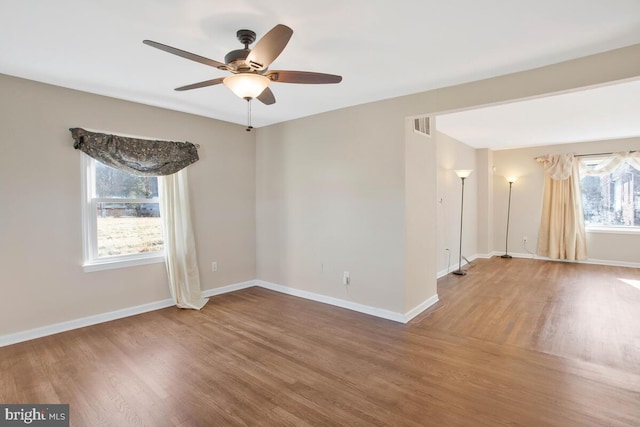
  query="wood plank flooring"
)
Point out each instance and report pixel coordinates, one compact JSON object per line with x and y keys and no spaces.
{"x":515,"y":342}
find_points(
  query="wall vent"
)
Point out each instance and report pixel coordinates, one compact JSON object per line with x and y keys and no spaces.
{"x":422,"y":125}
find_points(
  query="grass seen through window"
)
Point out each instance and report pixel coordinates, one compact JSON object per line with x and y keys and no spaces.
{"x":129,"y":235}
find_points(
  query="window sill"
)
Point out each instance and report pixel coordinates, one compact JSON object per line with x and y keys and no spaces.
{"x":613,"y":230}
{"x":89,"y":267}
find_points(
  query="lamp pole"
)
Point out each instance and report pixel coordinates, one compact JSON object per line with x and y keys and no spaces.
{"x":462,"y":174}
{"x":506,"y":255}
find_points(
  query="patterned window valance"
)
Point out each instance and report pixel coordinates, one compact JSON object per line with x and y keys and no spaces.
{"x":136,"y":156}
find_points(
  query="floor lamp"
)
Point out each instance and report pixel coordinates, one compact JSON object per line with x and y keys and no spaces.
{"x":462,"y":174}
{"x":510,"y":180}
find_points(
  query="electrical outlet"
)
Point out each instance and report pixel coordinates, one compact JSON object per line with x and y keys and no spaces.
{"x":346,"y":280}
{"x":524,"y":240}
{"x":214,"y":266}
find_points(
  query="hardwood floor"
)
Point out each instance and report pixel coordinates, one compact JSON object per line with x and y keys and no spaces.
{"x":515,"y":342}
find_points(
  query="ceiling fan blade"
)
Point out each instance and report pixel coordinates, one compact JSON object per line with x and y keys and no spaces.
{"x":205,"y":83}
{"x":269,"y":47}
{"x":186,"y":55}
{"x":304,"y":77}
{"x":267,"y":97}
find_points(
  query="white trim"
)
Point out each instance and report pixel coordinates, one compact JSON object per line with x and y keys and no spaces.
{"x":120,"y":200}
{"x":361,"y":308}
{"x":56,"y":328}
{"x":230,"y":288}
{"x":522,"y":255}
{"x":91,"y":261}
{"x":132,"y":311}
{"x":612,"y":263}
{"x":420,"y":308}
{"x":85,"y":182}
{"x":106,"y":264}
{"x":483,"y":256}
{"x":608,"y":262}
{"x":613,"y":230}
{"x":454,"y":267}
{"x":442,"y":273}
{"x":349,"y":305}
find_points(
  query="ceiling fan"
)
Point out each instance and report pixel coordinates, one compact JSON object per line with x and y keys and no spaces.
{"x":251,"y":76}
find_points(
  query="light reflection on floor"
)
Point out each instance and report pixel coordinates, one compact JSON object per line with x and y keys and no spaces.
{"x":634,"y":283}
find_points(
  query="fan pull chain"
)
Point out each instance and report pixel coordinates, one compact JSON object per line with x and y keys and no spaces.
{"x":249,"y":127}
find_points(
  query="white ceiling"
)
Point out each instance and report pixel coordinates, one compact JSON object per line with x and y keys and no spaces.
{"x":382,"y":49}
{"x":603,"y":113}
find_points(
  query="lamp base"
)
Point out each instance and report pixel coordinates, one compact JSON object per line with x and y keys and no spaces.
{"x":507,"y":256}
{"x":459,"y":273}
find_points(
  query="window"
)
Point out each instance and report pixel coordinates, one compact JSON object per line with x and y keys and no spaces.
{"x":121,"y":216}
{"x":611,"y":200}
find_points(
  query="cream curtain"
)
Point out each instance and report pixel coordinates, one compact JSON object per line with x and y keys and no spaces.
{"x":179,"y":244}
{"x":610,"y":163}
{"x":562,"y":234}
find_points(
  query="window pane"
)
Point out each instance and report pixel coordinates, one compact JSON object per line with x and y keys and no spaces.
{"x":128,"y":228}
{"x":613,"y":199}
{"x":112,"y":183}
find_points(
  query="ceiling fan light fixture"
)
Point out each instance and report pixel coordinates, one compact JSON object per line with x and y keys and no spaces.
{"x":247,"y":85}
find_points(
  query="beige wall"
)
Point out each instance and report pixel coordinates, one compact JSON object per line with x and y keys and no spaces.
{"x":41,"y":278}
{"x":526,"y":201}
{"x":330,"y":198}
{"x":484,"y":167}
{"x":350,"y":190}
{"x":420,"y":212}
{"x":452,"y":155}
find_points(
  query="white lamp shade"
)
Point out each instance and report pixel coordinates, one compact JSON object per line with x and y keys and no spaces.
{"x":512,"y":179}
{"x":247,"y":85}
{"x":463,"y":173}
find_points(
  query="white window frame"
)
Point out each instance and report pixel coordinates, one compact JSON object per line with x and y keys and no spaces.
{"x":91,"y":260}
{"x":608,"y":229}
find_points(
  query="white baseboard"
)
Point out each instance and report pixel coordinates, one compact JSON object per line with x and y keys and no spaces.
{"x":612,"y":263}
{"x":349,"y":305}
{"x":485,"y":256}
{"x":608,"y":262}
{"x":420,"y":308}
{"x":529,"y":255}
{"x":56,"y":328}
{"x":445,"y":271}
{"x":226,"y":289}
{"x":525,"y":255}
{"x":378,"y":312}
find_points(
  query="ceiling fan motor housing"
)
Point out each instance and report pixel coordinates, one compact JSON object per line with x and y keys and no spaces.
{"x":236,"y":59}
